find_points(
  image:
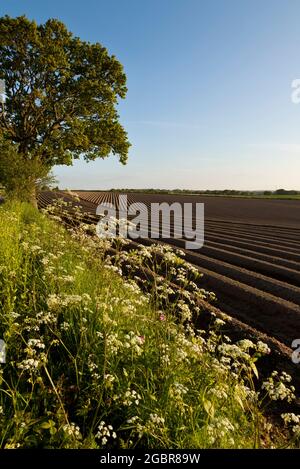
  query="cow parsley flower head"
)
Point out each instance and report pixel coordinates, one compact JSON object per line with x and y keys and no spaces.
{"x":105,"y":432}
{"x":72,"y":430}
{"x":278,"y":388}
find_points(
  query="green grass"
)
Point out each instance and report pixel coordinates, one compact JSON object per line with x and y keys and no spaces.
{"x":92,"y":363}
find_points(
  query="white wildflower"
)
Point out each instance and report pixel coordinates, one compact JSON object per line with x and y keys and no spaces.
{"x":72,"y":430}
{"x":263,"y":348}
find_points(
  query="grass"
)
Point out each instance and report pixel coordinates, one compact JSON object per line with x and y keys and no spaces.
{"x":91,"y":362}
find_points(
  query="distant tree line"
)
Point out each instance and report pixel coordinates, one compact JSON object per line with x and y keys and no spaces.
{"x":282,"y":192}
{"x":210,"y":192}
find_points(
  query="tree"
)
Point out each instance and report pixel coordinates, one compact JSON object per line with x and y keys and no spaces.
{"x":61,"y":96}
{"x":280,"y":192}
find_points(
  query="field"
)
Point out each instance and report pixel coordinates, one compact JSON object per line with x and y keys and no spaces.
{"x":250,"y":259}
{"x":222,"y":194}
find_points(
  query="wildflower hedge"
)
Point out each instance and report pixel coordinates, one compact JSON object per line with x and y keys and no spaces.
{"x":94,"y":360}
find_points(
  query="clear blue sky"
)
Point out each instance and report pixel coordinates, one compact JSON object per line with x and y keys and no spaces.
{"x":209,"y":101}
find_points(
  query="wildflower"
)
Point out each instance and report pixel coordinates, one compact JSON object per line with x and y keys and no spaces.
{"x":290,"y":418}
{"x":65,"y":326}
{"x":236,"y":351}
{"x":72,"y":430}
{"x":219,"y":322}
{"x":177,"y":392}
{"x":277,"y":389}
{"x":185,"y":311}
{"x":37,"y":343}
{"x":46,"y":318}
{"x":131,"y":397}
{"x":93,"y":368}
{"x":142,"y":338}
{"x":219,"y":428}
{"x":12,"y":445}
{"x":164,"y":354}
{"x":113,"y":343}
{"x":154,"y":425}
{"x":219,"y":391}
{"x":105,"y":432}
{"x":154,"y":418}
{"x":29,"y":365}
{"x":109,"y":379}
{"x":263,"y":348}
{"x":35,"y":248}
{"x":53,"y":302}
{"x":134,"y":342}
{"x":114,"y":269}
{"x":246,"y":344}
{"x":66,"y":278}
{"x":133,"y":419}
{"x":132,"y":287}
{"x":14,"y":315}
{"x":294,"y":420}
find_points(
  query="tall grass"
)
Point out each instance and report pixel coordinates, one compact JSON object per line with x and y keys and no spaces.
{"x":92,"y":363}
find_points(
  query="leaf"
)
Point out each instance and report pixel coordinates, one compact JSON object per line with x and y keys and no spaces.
{"x":254,"y":369}
{"x":49,"y":424}
{"x":46,"y":425}
{"x":209,"y":407}
{"x":238,"y":397}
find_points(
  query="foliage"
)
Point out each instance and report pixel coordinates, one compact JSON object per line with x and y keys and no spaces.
{"x":21,"y":178}
{"x":92,"y":363}
{"x":61,"y":95}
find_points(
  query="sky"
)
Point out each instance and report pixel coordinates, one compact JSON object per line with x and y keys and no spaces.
{"x":209,"y":90}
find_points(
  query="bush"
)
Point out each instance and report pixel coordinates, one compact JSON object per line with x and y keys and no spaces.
{"x":22,"y":178}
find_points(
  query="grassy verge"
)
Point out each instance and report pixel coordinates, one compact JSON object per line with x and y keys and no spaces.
{"x":92,"y":363}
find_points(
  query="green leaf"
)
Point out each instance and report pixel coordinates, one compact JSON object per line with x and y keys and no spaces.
{"x":254,"y":369}
{"x":209,"y":407}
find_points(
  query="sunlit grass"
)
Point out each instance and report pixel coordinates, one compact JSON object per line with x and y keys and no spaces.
{"x":93,"y":363}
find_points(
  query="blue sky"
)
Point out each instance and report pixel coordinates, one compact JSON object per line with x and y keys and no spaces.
{"x":209,"y":90}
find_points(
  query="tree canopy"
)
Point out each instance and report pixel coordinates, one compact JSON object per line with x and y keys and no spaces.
{"x":61,"y":94}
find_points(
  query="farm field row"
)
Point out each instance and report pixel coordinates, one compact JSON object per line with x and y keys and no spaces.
{"x":250,"y":258}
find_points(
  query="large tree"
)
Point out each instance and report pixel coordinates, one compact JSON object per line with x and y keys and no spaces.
{"x":61,"y":95}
